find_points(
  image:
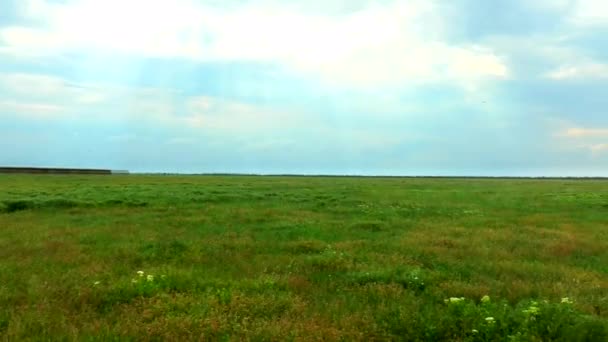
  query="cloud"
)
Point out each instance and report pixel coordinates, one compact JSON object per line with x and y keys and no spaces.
{"x":35,"y":96}
{"x":599,"y":148}
{"x":550,"y":5}
{"x":591,"y":140}
{"x":379,"y":44}
{"x":49,"y":97}
{"x":585,"y":133}
{"x":32,"y":110}
{"x":231,"y":116}
{"x":45,"y":97}
{"x":590,"y":13}
{"x":32,"y":84}
{"x":580,"y":71}
{"x":147,"y":118}
{"x":357,"y":85}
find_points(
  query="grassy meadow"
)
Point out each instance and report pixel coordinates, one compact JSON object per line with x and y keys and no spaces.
{"x":302,"y":258}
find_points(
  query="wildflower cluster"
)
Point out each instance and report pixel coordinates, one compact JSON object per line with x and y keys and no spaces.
{"x":532,"y":311}
{"x":141,"y":276}
{"x":415,"y":281}
{"x":567,"y":300}
{"x":494,"y":319}
{"x":148,"y":284}
{"x":454,"y":300}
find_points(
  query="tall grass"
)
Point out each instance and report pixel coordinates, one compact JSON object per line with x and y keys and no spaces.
{"x":295,"y":258}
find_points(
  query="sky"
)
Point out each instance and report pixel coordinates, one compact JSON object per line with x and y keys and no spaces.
{"x":420,"y":87}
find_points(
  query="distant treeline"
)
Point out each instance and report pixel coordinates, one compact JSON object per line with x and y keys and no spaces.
{"x":368,"y":176}
{"x":46,"y":170}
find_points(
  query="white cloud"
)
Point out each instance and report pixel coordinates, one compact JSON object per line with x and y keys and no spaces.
{"x":591,"y":140}
{"x":45,"y":97}
{"x":591,"y":12}
{"x":189,"y":120}
{"x":593,"y":150}
{"x":580,"y":70}
{"x":228,"y":116}
{"x":379,"y":44}
{"x":31,"y":84}
{"x":599,"y":148}
{"x":32,"y":110}
{"x":585,"y":132}
{"x":550,"y":5}
{"x":48,"y":97}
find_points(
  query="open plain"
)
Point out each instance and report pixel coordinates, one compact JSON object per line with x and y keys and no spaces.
{"x":150,"y":257}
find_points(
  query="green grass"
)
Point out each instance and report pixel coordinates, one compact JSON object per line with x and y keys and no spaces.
{"x":302,"y":258}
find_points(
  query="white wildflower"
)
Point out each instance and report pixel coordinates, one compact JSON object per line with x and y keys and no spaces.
{"x":150,"y":277}
{"x":533,"y":310}
{"x":140,"y":273}
{"x":455,"y":300}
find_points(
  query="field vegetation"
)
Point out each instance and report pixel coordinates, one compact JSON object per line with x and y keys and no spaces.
{"x":302,"y":258}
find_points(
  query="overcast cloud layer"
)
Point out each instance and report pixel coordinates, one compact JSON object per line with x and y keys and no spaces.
{"x":463,"y":87}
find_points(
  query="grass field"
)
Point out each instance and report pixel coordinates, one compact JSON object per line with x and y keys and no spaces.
{"x":302,"y":258}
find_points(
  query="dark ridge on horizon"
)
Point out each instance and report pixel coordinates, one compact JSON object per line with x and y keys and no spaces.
{"x":58,"y":171}
{"x":219,"y":174}
{"x":63,"y":170}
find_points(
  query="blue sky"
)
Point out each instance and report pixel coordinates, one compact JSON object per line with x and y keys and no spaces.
{"x":433,"y":87}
